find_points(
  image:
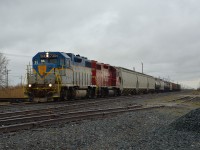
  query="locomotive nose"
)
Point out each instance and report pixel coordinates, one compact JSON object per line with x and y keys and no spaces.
{"x":42,"y":70}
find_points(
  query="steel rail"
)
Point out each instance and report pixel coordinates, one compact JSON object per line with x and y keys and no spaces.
{"x":72,"y":116}
{"x":25,"y":118}
{"x":10,"y":114}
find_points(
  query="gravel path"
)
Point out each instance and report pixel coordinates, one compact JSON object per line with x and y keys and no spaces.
{"x":148,"y":129}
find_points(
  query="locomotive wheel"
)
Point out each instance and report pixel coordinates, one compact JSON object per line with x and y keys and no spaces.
{"x":71,"y":94}
{"x":64,"y":95}
{"x":89,"y":93}
{"x":119,"y":92}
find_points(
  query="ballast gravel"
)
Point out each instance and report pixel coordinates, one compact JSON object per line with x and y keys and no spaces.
{"x":145,"y":130}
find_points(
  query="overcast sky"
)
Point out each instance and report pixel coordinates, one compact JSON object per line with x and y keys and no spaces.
{"x":163,"y":34}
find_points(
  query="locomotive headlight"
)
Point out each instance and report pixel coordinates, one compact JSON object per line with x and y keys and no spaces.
{"x":29,"y":85}
{"x":50,"y":85}
{"x":47,"y":54}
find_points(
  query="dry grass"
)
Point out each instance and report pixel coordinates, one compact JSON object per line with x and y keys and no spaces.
{"x":12,"y":92}
{"x":196,"y":92}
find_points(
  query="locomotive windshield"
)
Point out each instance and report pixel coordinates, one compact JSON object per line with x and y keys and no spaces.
{"x":49,"y":60}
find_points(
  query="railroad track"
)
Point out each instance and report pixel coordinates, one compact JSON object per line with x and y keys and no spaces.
{"x":17,"y":117}
{"x":17,"y":122}
{"x":16,"y":101}
{"x":24,"y":101}
{"x":66,"y":111}
{"x":21,"y":106}
{"x":66,"y":107}
{"x":186,"y":98}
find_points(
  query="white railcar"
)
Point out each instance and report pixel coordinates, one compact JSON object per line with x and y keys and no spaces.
{"x":151,"y":84}
{"x":135,"y":82}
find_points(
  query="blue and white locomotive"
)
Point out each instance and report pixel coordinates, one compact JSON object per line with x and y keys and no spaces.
{"x":58,"y":75}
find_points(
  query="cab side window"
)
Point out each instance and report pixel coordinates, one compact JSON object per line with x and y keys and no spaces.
{"x":67,"y":63}
{"x":62,"y":62}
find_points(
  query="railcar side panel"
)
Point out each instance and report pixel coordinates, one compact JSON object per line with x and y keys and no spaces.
{"x":142,"y":82}
{"x":162,"y":84}
{"x":166,"y":86}
{"x":170,"y":86}
{"x":151,"y":84}
{"x":128,"y":81}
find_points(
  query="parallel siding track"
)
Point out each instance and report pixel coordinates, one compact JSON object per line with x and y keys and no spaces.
{"x":67,"y":111}
{"x":16,"y":122}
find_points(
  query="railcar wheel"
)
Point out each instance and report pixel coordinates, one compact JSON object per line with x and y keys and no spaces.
{"x":94,"y":93}
{"x":55,"y":99}
{"x":102,"y":93}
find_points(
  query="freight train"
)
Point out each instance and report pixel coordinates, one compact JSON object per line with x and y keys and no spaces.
{"x":65,"y":76}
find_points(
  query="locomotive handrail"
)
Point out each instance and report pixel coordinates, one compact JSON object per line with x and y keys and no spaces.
{"x":24,"y":85}
{"x":58,"y":78}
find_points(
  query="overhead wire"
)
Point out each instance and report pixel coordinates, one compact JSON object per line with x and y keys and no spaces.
{"x":19,"y":55}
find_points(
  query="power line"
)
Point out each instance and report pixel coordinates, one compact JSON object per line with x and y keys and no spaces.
{"x":19,"y":55}
{"x":17,"y":76}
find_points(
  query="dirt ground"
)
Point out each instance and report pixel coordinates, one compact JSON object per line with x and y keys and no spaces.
{"x":175,"y":126}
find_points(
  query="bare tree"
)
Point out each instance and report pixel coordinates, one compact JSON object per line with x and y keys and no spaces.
{"x":3,"y":66}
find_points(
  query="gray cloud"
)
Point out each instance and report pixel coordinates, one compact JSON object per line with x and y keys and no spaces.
{"x":162,"y":34}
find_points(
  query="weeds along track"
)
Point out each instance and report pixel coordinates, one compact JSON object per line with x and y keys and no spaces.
{"x":16,"y":122}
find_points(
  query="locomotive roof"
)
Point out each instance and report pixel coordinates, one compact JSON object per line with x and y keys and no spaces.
{"x":61,"y":53}
{"x":64,"y":54}
{"x":136,"y":72}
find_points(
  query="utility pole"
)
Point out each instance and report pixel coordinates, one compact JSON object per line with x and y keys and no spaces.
{"x":7,"y":71}
{"x":142,"y":66}
{"x":21,"y":80}
{"x":198,"y":87}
